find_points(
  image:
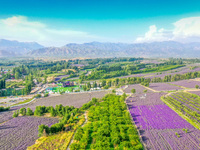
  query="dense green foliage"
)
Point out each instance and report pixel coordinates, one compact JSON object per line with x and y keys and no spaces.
{"x":22,"y":111}
{"x":67,"y":113}
{"x":2,"y":83}
{"x":115,"y":70}
{"x":133,"y":91}
{"x":15,"y":114}
{"x":4,"y":108}
{"x":109,"y":127}
{"x":29,"y":112}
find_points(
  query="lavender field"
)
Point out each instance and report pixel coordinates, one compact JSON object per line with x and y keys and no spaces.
{"x":76,"y":100}
{"x":21,"y":132}
{"x":187,"y":83}
{"x":145,"y":99}
{"x":163,"y":87}
{"x":139,"y":89}
{"x":181,"y":70}
{"x":167,"y":139}
{"x":7,"y":115}
{"x":186,"y":103}
{"x":18,"y":133}
{"x":159,"y":126}
{"x":197,"y":92}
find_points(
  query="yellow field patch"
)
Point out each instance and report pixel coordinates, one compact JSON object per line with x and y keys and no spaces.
{"x":59,"y":140}
{"x":65,"y":70}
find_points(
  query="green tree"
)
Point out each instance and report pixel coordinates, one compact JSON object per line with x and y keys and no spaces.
{"x":17,"y":75}
{"x":133,"y":91}
{"x":15,"y":114}
{"x":43,"y":129}
{"x":103,"y":83}
{"x":22,"y":111}
{"x":95,"y":84}
{"x":29,"y":112}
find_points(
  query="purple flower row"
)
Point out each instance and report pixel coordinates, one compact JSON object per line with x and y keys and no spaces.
{"x":157,"y":117}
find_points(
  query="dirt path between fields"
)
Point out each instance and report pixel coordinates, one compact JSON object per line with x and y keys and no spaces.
{"x":72,"y":139}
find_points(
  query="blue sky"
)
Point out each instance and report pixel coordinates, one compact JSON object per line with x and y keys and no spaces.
{"x":58,"y":22}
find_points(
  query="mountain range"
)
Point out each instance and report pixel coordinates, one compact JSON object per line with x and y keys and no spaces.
{"x":97,"y":49}
{"x":14,"y":48}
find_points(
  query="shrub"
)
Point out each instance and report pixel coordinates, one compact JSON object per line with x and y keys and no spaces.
{"x":113,"y":91}
{"x":106,"y":87}
{"x":22,"y":111}
{"x":78,"y":90}
{"x":15,"y":114}
{"x":40,"y":110}
{"x":37,"y":96}
{"x":56,"y":127}
{"x":133,"y":91}
{"x":197,"y":86}
{"x":43,"y":129}
{"x":52,"y":112}
{"x":46,"y":94}
{"x":145,"y":91}
{"x":74,"y":146}
{"x":4,"y":108}
{"x":29,"y":112}
{"x":62,"y":92}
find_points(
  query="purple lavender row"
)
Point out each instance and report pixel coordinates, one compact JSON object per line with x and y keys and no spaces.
{"x":157,"y":117}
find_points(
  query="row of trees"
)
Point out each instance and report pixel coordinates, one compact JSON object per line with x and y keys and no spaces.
{"x":116,"y":82}
{"x":4,"y":108}
{"x":110,"y":71}
{"x":2,"y":83}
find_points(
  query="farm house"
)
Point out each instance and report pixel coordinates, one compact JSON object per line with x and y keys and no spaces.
{"x":68,"y":84}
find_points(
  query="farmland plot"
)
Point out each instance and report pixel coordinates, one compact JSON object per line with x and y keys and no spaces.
{"x":188,"y":105}
{"x":197,"y":92}
{"x":7,"y":115}
{"x":160,"y":127}
{"x":137,"y":87}
{"x":163,"y":87}
{"x":76,"y":100}
{"x":145,"y":99}
{"x":21,"y":132}
{"x":187,"y":83}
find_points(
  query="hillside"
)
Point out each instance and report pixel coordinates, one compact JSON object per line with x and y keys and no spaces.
{"x":96,"y":49}
{"x":14,"y":48}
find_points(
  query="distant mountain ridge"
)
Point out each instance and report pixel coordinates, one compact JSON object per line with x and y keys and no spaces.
{"x":97,"y":49}
{"x":15,"y":48}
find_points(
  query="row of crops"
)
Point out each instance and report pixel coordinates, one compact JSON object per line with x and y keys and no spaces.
{"x":159,"y":126}
{"x":186,"y":105}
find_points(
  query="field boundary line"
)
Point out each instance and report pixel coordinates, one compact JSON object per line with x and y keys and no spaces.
{"x":72,"y":138}
{"x":150,"y":88}
{"x":23,"y":103}
{"x":177,"y":85}
{"x":139,"y":135}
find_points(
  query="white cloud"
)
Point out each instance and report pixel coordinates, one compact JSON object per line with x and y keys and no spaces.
{"x":21,"y":29}
{"x":185,"y":30}
{"x":154,"y":35}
